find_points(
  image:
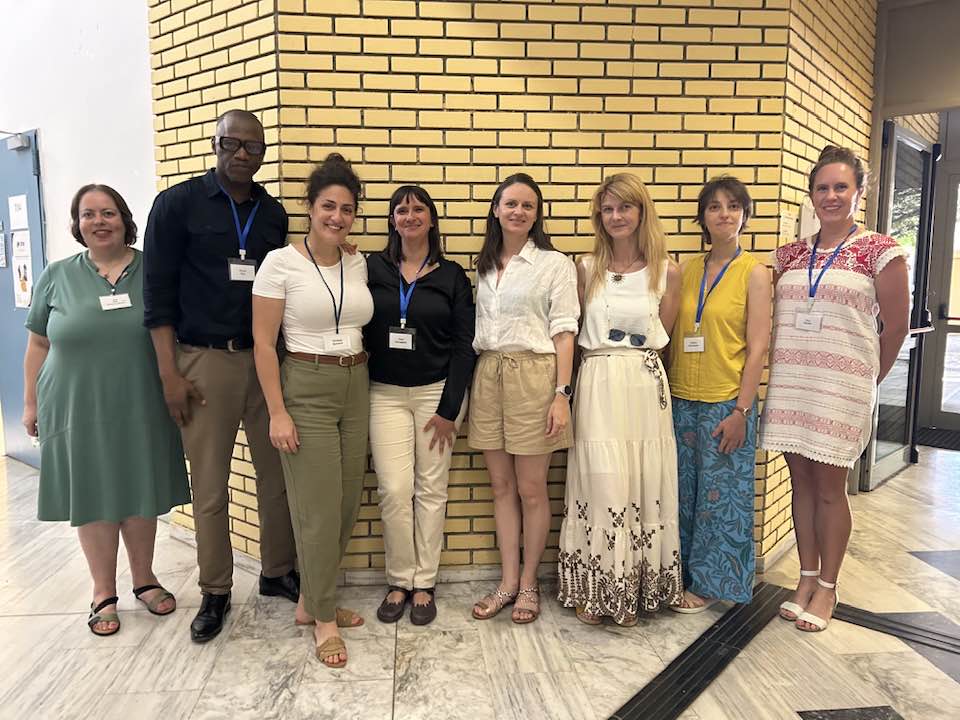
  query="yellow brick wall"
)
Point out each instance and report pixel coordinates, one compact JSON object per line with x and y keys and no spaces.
{"x":926,"y":125}
{"x":457,"y":95}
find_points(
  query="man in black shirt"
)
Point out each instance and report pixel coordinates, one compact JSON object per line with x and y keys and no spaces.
{"x":204,"y":239}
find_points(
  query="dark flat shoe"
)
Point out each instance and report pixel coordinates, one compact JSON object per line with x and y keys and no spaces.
{"x":287,"y":586}
{"x":209,"y":620}
{"x":424,"y":614}
{"x":390,"y":612}
{"x":155,"y":603}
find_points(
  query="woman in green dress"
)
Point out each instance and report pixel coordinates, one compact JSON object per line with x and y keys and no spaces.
{"x":110,"y":456}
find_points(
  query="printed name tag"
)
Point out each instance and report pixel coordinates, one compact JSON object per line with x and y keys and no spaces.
{"x":809,"y":321}
{"x":242,"y":270}
{"x":333,"y":342}
{"x":694,"y":343}
{"x":403,"y":338}
{"x":115,"y":302}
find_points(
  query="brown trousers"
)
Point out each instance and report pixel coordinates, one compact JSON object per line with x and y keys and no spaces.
{"x":229,"y":385}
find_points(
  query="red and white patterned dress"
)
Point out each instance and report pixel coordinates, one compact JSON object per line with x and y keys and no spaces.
{"x":823,"y":385}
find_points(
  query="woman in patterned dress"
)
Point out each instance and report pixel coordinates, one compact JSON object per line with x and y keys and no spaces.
{"x":826,"y":362}
{"x":619,"y":542}
{"x":717,"y":352}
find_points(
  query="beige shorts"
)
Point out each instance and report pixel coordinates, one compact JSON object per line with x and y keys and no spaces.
{"x":511,"y":396}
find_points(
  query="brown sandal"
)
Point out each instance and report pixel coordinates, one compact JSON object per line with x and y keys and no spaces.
{"x":345,"y":619}
{"x":588,"y":618}
{"x":490,"y":605}
{"x":331,"y":647}
{"x":534,"y":611}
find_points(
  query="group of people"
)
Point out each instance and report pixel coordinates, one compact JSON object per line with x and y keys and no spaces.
{"x":134,"y":360}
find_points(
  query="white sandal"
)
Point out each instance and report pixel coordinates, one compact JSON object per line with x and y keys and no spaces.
{"x":792,"y":607}
{"x":818,"y":622}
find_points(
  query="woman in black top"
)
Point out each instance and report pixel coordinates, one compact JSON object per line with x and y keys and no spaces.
{"x":421,"y":362}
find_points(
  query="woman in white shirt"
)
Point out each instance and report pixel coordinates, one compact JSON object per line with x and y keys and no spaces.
{"x":620,"y":541}
{"x":527,"y":314}
{"x":318,"y":400}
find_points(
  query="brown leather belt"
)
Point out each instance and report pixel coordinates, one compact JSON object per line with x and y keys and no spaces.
{"x":341,"y":360}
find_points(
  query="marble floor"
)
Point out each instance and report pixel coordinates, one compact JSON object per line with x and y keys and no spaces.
{"x":261,"y":666}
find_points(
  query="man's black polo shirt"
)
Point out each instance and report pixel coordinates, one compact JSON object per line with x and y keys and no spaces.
{"x":190,"y":235}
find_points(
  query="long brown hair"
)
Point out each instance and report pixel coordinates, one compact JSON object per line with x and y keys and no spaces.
{"x":489,"y":257}
{"x":651,"y":240}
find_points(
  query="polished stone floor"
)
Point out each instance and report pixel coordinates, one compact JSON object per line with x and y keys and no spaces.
{"x":262,"y":666}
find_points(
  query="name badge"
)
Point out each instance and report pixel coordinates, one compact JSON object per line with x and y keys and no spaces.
{"x":809,"y":321}
{"x":332,"y":342}
{"x":115,"y":302}
{"x":694,"y":343}
{"x":242,"y":270}
{"x":403,"y":338}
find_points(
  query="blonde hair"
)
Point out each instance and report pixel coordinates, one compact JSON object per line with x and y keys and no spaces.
{"x":650,"y":238}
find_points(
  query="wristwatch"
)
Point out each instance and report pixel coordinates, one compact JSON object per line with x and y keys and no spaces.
{"x":565,"y":390}
{"x":743,"y":410}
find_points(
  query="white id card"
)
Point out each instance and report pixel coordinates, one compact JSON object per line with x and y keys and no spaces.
{"x":694,"y":344}
{"x":242,"y":270}
{"x":402,"y":338}
{"x":809,"y":321}
{"x":333,"y":342}
{"x":115,"y":302}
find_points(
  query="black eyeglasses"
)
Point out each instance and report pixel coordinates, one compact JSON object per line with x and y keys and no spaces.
{"x":618,"y":335}
{"x":253,"y":147}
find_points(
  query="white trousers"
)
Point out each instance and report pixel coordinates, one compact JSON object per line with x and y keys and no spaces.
{"x":411,"y":480}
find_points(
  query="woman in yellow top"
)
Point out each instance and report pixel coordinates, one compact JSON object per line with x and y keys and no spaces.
{"x":717,"y":351}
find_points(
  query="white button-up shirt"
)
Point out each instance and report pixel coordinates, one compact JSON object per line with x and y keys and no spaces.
{"x":535,"y":300}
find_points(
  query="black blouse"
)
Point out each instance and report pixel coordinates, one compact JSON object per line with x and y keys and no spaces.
{"x":442,"y":312}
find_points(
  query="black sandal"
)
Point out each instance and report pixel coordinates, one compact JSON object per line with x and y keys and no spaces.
{"x":161,"y":597}
{"x":390,"y":612}
{"x":424,"y":614}
{"x":96,"y":617}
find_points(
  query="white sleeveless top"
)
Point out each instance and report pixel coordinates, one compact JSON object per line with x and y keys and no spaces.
{"x":628,"y":305}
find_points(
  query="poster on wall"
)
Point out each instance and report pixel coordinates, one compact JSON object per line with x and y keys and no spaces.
{"x":22,"y":268}
{"x":18,"y":212}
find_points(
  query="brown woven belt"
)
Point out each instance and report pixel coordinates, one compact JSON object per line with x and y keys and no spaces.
{"x":341,"y":360}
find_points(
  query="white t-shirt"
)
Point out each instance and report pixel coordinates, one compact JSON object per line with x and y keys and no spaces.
{"x":535,"y":300}
{"x":309,"y":323}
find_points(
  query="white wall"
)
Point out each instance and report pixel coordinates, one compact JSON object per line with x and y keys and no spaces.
{"x":79,"y":72}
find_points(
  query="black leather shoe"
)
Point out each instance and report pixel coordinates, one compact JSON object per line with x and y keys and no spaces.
{"x":423,"y":614}
{"x":287,"y":586}
{"x":209,"y":621}
{"x":390,"y":612}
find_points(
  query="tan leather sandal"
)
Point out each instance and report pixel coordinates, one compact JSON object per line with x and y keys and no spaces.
{"x":346,"y":618}
{"x":529,"y":606}
{"x":331,"y":647}
{"x":587,"y":618}
{"x":490,"y":605}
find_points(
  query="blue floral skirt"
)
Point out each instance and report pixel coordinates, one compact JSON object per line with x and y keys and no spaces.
{"x":716,"y":502}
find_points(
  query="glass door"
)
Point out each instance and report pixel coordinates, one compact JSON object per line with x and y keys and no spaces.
{"x":906,"y":187}
{"x":941,"y":395}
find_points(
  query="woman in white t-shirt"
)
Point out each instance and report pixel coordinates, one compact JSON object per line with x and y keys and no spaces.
{"x":318,"y":399}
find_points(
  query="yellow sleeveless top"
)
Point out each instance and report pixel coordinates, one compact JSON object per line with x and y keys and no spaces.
{"x":713,"y":375}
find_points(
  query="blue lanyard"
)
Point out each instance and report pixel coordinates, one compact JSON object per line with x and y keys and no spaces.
{"x":337,"y":311}
{"x":702,"y":300}
{"x":405,"y":297}
{"x":815,"y":285}
{"x":241,"y":233}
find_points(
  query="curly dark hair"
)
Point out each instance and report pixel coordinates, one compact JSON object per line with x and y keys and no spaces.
{"x":129,"y":226}
{"x":334,"y":170}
